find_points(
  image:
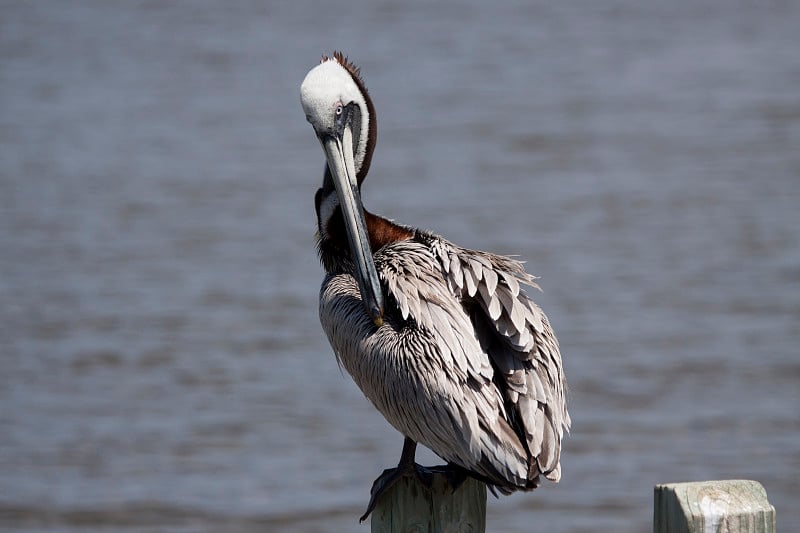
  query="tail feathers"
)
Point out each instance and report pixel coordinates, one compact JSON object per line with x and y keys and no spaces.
{"x":497,"y":482}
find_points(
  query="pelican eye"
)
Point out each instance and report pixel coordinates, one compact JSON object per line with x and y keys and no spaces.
{"x":339,"y":110}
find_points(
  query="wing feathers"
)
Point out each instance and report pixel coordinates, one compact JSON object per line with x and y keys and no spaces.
{"x":519,"y":342}
{"x":524,"y":349}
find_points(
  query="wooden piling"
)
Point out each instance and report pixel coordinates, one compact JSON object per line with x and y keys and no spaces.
{"x":409,"y":506}
{"x":730,"y":506}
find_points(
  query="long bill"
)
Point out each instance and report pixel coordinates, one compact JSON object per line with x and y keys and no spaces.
{"x":339,"y":153}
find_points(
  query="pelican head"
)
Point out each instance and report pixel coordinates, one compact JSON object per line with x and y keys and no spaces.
{"x":337,"y":106}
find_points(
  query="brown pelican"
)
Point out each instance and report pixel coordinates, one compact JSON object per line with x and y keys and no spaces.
{"x":441,"y":339}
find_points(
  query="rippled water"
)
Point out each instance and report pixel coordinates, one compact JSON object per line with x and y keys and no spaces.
{"x":162,"y":363}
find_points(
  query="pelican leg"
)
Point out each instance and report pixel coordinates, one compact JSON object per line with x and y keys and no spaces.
{"x":390,"y":476}
{"x":455,"y":475}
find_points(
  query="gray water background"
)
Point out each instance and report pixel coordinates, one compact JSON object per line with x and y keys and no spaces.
{"x":162,"y":367}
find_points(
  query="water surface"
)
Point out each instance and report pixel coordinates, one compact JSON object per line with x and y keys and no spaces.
{"x":161,"y":363}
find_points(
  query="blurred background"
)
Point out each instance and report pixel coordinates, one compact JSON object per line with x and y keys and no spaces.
{"x":162,"y":367}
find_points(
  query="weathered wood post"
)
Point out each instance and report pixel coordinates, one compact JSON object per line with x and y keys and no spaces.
{"x":410,"y":506}
{"x":731,"y":506}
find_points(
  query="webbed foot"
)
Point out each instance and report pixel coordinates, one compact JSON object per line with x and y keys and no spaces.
{"x":390,"y":476}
